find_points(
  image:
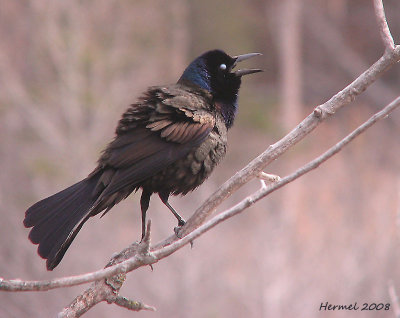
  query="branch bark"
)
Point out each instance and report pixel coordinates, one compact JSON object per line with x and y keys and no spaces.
{"x":108,"y":289}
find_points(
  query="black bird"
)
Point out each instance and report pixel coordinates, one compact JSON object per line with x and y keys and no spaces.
{"x":168,"y":142}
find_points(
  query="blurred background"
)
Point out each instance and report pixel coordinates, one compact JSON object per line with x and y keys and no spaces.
{"x":68,"y":69}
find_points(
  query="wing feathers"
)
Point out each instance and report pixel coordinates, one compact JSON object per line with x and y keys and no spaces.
{"x":161,"y":129}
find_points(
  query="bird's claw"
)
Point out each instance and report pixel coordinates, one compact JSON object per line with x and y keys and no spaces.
{"x":181,"y":222}
{"x":177,"y":229}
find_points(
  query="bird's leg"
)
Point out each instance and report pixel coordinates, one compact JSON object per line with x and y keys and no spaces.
{"x":144,"y":204}
{"x":164,"y":198}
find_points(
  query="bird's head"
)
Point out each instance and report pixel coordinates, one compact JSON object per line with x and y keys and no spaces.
{"x":214,"y":72}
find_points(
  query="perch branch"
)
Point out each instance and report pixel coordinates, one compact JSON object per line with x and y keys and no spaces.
{"x":264,"y":191}
{"x":108,"y":289}
{"x":143,"y":256}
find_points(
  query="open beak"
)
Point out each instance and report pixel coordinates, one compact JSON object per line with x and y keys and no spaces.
{"x":243,"y":57}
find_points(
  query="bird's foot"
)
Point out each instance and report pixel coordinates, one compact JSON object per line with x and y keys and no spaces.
{"x":144,"y":243}
{"x":177,"y":231}
{"x":178,"y":228}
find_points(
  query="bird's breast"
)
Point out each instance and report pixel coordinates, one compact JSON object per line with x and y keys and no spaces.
{"x":189,"y":172}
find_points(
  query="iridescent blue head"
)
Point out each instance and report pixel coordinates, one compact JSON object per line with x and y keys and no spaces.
{"x":213,"y":71}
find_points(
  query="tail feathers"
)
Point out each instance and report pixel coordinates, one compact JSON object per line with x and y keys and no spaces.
{"x":57,"y":219}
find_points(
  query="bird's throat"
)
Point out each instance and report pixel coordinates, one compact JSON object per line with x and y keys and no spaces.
{"x":228,"y":112}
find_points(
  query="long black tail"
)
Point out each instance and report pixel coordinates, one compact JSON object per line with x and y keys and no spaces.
{"x":57,"y":219}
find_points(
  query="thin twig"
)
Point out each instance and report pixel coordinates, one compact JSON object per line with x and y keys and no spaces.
{"x":135,"y":256}
{"x":383,"y":25}
{"x":394,"y":299}
{"x":132,"y":305}
{"x":19,"y":285}
{"x":268,"y":177}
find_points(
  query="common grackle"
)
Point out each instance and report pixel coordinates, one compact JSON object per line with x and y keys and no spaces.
{"x":168,"y":142}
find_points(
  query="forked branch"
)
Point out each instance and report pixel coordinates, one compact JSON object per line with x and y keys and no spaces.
{"x":163,"y":249}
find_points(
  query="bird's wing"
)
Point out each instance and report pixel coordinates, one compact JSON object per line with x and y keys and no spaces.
{"x":162,"y":128}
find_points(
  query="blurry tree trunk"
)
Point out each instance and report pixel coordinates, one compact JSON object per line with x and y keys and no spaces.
{"x":290,"y":62}
{"x":287,"y":20}
{"x":337,"y":9}
{"x":345,"y":57}
{"x":180,"y":37}
{"x":291,"y":91}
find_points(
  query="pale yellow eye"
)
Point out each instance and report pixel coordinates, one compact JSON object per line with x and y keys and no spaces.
{"x":222,"y":67}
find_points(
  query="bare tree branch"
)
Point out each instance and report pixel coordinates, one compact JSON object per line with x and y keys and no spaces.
{"x":19,"y":285}
{"x":383,"y":26}
{"x":395,"y":299}
{"x":264,"y":191}
{"x":137,"y":255}
{"x":258,"y":195}
{"x":132,"y":305}
{"x":108,"y":289}
{"x":142,"y":255}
